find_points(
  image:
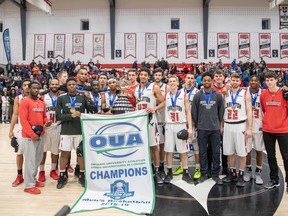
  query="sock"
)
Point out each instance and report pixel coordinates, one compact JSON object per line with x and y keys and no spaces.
{"x":233,"y":169}
{"x":197,"y":166}
{"x":185,"y":171}
{"x":53,"y":166}
{"x":81,"y":175}
{"x":63,"y":173}
{"x":156,"y":169}
{"x":249,"y":167}
{"x":258,"y":169}
{"x":20,"y":172}
{"x":161,"y":166}
{"x":41,"y":167}
{"x":241,"y":172}
{"x":169,"y":170}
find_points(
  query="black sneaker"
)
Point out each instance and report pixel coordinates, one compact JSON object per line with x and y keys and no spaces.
{"x":168,"y":178}
{"x":157,"y":177}
{"x":272,"y":184}
{"x":202,"y":178}
{"x":217,"y":180}
{"x":240,"y":182}
{"x":81,"y":180}
{"x":77,"y":170}
{"x":62,"y":181}
{"x":187,"y":178}
{"x":162,"y":174}
{"x":230,"y":177}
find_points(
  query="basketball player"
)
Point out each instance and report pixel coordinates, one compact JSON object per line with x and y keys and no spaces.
{"x":51,"y":138}
{"x":160,"y":115}
{"x":68,"y":110}
{"x":147,"y":95}
{"x":94,"y":94}
{"x":103,"y":82}
{"x":256,"y":141}
{"x":237,"y":128}
{"x":132,"y":76}
{"x":178,"y":115}
{"x":275,"y":127}
{"x":190,"y":89}
{"x":33,"y":118}
{"x":19,"y":158}
{"x":108,"y":99}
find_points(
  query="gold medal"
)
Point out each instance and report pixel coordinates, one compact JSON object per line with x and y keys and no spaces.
{"x":72,"y":110}
{"x":253,"y":107}
{"x":139,"y":99}
{"x":233,"y":107}
{"x":208,"y":106}
{"x":173,"y":109}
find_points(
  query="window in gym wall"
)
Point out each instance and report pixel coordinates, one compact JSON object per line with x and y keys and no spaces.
{"x":85,"y":24}
{"x":175,"y":23}
{"x":1,"y":26}
{"x":266,"y":24}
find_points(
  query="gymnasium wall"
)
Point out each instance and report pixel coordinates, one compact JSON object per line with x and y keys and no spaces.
{"x":138,"y":16}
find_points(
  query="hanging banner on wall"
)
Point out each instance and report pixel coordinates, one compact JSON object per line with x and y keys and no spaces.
{"x":283,"y":16}
{"x":98,"y":45}
{"x":59,"y":45}
{"x":129,"y":45}
{"x":117,"y":166}
{"x":223,"y":45}
{"x":77,"y":43}
{"x":171,"y":45}
{"x":191,"y":45}
{"x":39,"y":45}
{"x":243,"y":45}
{"x":6,"y":42}
{"x":151,"y":45}
{"x":265,"y":45}
{"x":283,"y":46}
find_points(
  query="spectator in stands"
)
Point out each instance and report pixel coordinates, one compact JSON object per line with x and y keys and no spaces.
{"x":62,"y":65}
{"x":40,"y":65}
{"x":98,"y":65}
{"x":1,"y":70}
{"x":5,"y":106}
{"x":173,"y":69}
{"x":17,"y":68}
{"x":68,"y":65}
{"x":263,"y":63}
{"x":32,"y":64}
{"x":91,"y":65}
{"x":280,"y":83}
{"x":233,"y":64}
{"x":246,"y":77}
{"x":135,"y":65}
{"x":57,"y":66}
{"x":185,"y":68}
{"x":2,"y":82}
{"x":12,"y":95}
{"x":9,"y":67}
{"x":286,"y":77}
{"x":164,"y":64}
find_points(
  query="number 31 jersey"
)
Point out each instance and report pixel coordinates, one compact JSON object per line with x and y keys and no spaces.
{"x":175,"y":114}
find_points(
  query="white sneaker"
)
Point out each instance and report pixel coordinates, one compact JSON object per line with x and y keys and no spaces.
{"x":258,"y":179}
{"x":248,"y":176}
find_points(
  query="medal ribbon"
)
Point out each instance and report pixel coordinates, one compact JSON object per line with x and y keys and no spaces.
{"x":111,"y":100}
{"x":96,"y":100}
{"x":254,"y":98}
{"x":80,"y":87}
{"x":236,"y":96}
{"x":174,"y":100}
{"x":54,"y":101}
{"x":72,"y":101}
{"x":140,"y":92}
{"x":207,"y":99}
{"x":190,"y":92}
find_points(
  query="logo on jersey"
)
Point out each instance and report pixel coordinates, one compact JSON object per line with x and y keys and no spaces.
{"x":108,"y":143}
{"x":119,"y":190}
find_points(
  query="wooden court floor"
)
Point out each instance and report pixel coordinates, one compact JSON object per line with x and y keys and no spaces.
{"x":13,"y":201}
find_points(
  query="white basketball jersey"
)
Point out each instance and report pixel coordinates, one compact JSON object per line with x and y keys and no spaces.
{"x":21,"y":97}
{"x":160,"y":114}
{"x":178,"y":115}
{"x":257,"y":113}
{"x":95,"y":100}
{"x":237,"y":112}
{"x":190,"y":93}
{"x":106,"y":95}
{"x":147,"y":98}
{"x":50,"y":110}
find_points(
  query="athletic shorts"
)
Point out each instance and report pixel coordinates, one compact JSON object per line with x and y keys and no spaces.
{"x":256,"y":142}
{"x":153,"y":132}
{"x":171,"y":131}
{"x":234,"y":141}
{"x":20,"y":143}
{"x":161,"y":131}
{"x":69,"y":142}
{"x":51,"y":140}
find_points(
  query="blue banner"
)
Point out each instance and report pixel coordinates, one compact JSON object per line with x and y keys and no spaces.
{"x":6,"y":41}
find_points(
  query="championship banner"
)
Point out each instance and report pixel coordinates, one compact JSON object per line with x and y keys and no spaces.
{"x":283,"y":16}
{"x":283,"y":46}
{"x":151,"y":45}
{"x":6,"y":42}
{"x":191,"y":45}
{"x":244,"y":45}
{"x":171,"y":45}
{"x":39,"y":45}
{"x":223,"y":45}
{"x":129,"y":45}
{"x":265,"y":45}
{"x":98,"y":45}
{"x":117,"y":163}
{"x":59,"y":45}
{"x":77,"y":43}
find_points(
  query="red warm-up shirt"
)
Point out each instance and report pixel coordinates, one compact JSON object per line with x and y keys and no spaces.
{"x":130,"y":92}
{"x":275,"y":112}
{"x":31,"y":112}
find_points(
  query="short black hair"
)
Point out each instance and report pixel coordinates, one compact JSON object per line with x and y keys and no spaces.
{"x":144,"y":69}
{"x":207,"y":74}
{"x":33,"y":82}
{"x":158,"y":70}
{"x":25,"y":80}
{"x":70,"y":79}
{"x":254,"y":75}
